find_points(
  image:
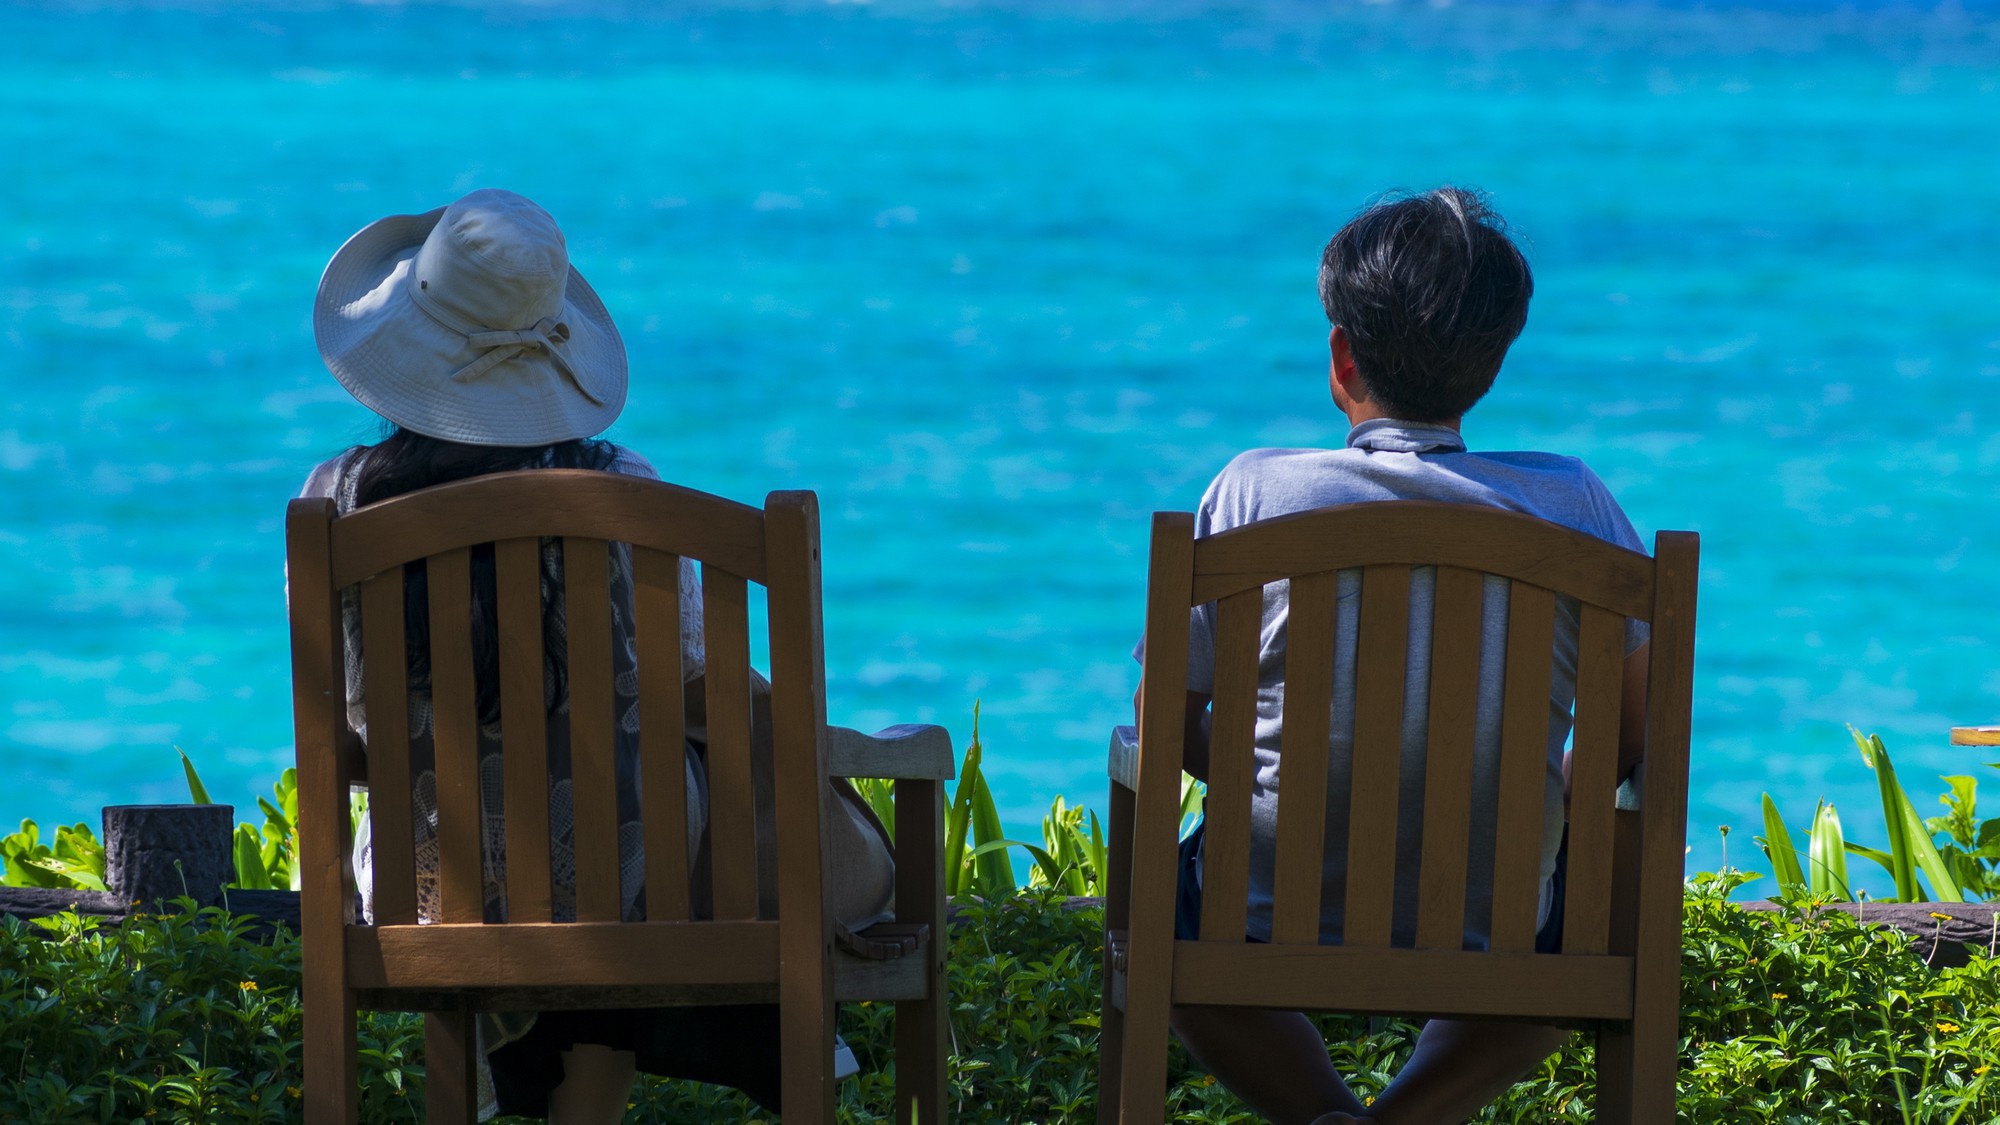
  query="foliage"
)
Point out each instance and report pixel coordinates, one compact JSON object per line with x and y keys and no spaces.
{"x":266,"y":858}
{"x":264,"y":855}
{"x":1790,"y":1017}
{"x":1966,"y":866}
{"x":73,"y":861}
{"x":1071,"y":855}
{"x":180,"y":1017}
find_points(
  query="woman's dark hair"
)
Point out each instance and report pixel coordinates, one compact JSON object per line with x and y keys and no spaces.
{"x":405,"y":461}
{"x":1431,"y":292}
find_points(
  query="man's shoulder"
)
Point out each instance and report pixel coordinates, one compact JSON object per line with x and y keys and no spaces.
{"x":1262,"y":464}
{"x":1259,"y":483}
{"x":1535,"y":459}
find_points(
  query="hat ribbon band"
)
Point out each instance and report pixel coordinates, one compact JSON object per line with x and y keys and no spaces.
{"x":505,"y":345}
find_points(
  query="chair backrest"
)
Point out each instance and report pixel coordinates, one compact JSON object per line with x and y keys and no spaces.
{"x":513,"y":516}
{"x":1386,"y":542}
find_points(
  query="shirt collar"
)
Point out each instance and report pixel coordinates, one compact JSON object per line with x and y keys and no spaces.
{"x":1387,"y":435}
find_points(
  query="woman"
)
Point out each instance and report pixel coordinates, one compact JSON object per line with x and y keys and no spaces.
{"x":468,"y":331}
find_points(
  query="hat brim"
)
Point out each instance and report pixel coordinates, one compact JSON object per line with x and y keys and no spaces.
{"x":398,"y":361}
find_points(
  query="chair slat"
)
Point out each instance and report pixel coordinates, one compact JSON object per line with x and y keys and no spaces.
{"x":656,"y":594}
{"x":593,"y":737}
{"x":524,"y":721}
{"x":1593,"y":781}
{"x":1381,"y":667}
{"x":1524,"y":749}
{"x":731,"y":792}
{"x":385,"y":685}
{"x":1298,"y":877}
{"x":1451,"y":733}
{"x":455,"y":716}
{"x":1225,"y":869}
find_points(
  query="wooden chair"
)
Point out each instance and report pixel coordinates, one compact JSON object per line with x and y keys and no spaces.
{"x":1620,"y":965}
{"x":464,"y":965}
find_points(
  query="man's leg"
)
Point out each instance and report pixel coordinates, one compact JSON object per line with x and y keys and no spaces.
{"x":1458,"y":1067}
{"x":1274,"y":1060}
{"x":597,"y":1084}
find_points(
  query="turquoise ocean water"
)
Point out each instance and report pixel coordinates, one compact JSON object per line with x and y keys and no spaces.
{"x":998,"y":280}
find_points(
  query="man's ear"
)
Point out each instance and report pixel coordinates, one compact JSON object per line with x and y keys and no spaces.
{"x":1342,"y":379}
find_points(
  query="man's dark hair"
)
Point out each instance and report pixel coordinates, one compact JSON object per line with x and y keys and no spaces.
{"x":1431,"y":292}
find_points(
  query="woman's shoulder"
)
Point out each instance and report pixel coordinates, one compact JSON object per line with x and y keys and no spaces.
{"x":631,"y":463}
{"x":326,"y":477}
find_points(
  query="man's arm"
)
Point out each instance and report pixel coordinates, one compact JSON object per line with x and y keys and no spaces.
{"x":1632,"y":712}
{"x":1631,"y":718}
{"x":1194,"y":736}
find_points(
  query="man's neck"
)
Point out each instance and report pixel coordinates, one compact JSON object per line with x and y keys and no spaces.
{"x":1368,"y":411}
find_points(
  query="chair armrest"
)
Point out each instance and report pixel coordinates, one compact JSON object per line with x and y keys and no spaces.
{"x":918,"y":751}
{"x":1123,"y":765}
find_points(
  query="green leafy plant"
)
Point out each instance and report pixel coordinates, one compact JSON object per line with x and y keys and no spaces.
{"x":1789,"y":1017}
{"x":73,"y":860}
{"x":1965,"y":866}
{"x":266,"y":858}
{"x":1071,"y":856}
{"x":176,"y":1017}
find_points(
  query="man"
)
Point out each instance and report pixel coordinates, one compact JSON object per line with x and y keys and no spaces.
{"x":1425,"y":294}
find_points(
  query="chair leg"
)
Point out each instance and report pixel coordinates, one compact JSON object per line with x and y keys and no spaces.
{"x":451,"y":1075}
{"x":923,"y":1030}
{"x":1614,"y":1074}
{"x":331,"y":1088}
{"x":922,"y":1045}
{"x":1637,"y":1067}
{"x":1117,"y":916}
{"x":1143,"y":1054}
{"x":1111,"y":1056}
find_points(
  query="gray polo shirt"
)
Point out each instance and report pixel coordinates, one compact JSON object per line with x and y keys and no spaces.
{"x":1390,"y":460}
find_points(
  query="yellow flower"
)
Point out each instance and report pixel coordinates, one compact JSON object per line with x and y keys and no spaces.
{"x":1780,"y":995}
{"x":1941,"y":917}
{"x":1982,"y":1069}
{"x":247,"y":985}
{"x":294,"y":1093}
{"x":1947,"y":1027}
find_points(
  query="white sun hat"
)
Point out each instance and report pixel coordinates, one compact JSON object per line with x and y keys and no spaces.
{"x":468,"y":323}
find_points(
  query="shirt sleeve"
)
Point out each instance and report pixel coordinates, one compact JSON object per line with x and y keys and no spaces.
{"x":1201,"y":618}
{"x":1610,"y":523}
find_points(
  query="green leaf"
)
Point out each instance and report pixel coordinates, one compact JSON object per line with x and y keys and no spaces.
{"x":1778,"y":845}
{"x":1888,"y":863}
{"x":1902,"y":867}
{"x":958,"y":815}
{"x":992,"y":871}
{"x":251,"y":874}
{"x":197,"y":792}
{"x":1051,"y":869}
{"x":1828,"y":856}
{"x":1924,"y":852}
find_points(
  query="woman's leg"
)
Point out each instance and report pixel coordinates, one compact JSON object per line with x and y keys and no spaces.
{"x":596,"y":1086}
{"x":1274,"y":1060}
